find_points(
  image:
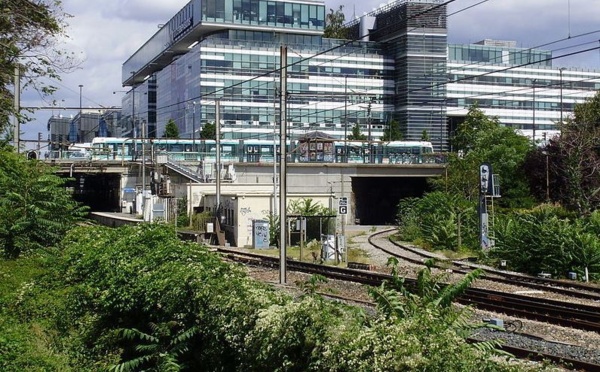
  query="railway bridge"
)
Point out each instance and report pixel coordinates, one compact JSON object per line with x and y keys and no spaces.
{"x":246,"y":191}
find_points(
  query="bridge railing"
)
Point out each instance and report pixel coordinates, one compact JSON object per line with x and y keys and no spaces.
{"x":232,"y":157}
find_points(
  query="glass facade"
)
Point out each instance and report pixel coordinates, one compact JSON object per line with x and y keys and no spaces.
{"x":265,"y":13}
{"x":241,"y":76}
{"x":518,"y":86}
{"x":401,"y":69}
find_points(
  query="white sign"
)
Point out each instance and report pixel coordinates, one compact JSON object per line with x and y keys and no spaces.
{"x":343,"y":205}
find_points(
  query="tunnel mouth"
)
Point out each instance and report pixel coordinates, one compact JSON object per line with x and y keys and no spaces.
{"x":376,"y":198}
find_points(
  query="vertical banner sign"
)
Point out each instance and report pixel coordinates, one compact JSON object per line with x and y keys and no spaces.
{"x":260,"y":234}
{"x":485,"y":182}
{"x":343,"y":205}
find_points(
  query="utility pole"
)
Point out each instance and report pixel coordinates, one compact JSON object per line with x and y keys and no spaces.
{"x":144,"y":170}
{"x":218,"y":142}
{"x":369,"y":125}
{"x":282,"y":165}
{"x":345,"y":119}
{"x":80,"y":113}
{"x":194,"y":131}
{"x":534,"y":81}
{"x":17,"y":109}
{"x":561,"y":93}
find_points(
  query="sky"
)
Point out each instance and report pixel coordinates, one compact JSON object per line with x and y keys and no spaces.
{"x":104,"y":34}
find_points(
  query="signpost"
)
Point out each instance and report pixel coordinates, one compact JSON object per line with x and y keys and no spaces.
{"x":343,"y":205}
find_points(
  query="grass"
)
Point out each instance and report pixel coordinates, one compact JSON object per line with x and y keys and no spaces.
{"x":313,"y":249}
{"x":26,"y":339}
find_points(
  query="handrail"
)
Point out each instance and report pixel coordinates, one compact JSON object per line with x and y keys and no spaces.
{"x":123,"y":151}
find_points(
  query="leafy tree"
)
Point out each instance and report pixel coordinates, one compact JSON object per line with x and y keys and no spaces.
{"x":30,"y":31}
{"x":35,"y":208}
{"x":334,"y":24}
{"x":356,"y":134}
{"x":483,"y":140}
{"x":424,"y":135}
{"x":476,"y":122}
{"x":209,"y":131}
{"x":574,"y":160}
{"x":171,"y":130}
{"x":393,"y":132}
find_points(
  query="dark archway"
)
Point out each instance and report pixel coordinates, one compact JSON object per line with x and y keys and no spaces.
{"x":376,"y":198}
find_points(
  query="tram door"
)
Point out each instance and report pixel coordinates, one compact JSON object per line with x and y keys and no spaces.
{"x":252,"y":153}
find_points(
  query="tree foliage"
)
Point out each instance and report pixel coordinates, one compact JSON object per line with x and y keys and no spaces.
{"x":29,"y":34}
{"x":393,"y":132}
{"x":439,"y":221}
{"x":35,"y":208}
{"x":209,"y":131}
{"x":573,"y":168}
{"x":171,"y":130}
{"x":334,"y":24}
{"x":480,"y":139}
{"x":548,"y":239}
{"x":356,"y":134}
{"x":137,"y":298}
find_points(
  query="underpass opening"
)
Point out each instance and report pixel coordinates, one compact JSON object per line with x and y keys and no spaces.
{"x":376,"y":198}
{"x":100,"y":192}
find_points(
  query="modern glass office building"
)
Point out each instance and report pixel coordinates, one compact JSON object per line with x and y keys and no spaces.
{"x":397,"y":65}
{"x":518,"y":86}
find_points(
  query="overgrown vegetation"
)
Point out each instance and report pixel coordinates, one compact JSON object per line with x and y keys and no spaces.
{"x":35,"y":208}
{"x":136,"y":298}
{"x":530,"y":236}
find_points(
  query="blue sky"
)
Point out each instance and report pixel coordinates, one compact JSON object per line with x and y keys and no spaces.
{"x":105,"y":33}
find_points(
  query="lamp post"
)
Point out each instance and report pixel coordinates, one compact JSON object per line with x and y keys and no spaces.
{"x":345,"y":119}
{"x":560,"y":70}
{"x":134,"y":128}
{"x":533,"y":107}
{"x":80,"y":106}
{"x":545,"y":153}
{"x":194,"y":127}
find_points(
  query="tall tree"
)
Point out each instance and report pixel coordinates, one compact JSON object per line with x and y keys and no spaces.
{"x":36,"y":210}
{"x":209,"y":131}
{"x":482,"y":139}
{"x":476,"y":122}
{"x":171,"y":130}
{"x":29,"y":34}
{"x":574,"y":160}
{"x":356,"y":134}
{"x":334,"y":24}
{"x":393,"y":132}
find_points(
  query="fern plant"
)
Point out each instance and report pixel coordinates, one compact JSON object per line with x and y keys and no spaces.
{"x":160,"y":350}
{"x":395,"y":299}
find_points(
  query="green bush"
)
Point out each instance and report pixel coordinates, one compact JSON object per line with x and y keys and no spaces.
{"x":548,"y":239}
{"x":136,"y":298}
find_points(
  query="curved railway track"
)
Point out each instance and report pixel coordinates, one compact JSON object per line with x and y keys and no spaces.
{"x":567,"y":288}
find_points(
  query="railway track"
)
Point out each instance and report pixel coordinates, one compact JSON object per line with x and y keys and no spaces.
{"x":551,"y":312}
{"x":417,"y":256}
